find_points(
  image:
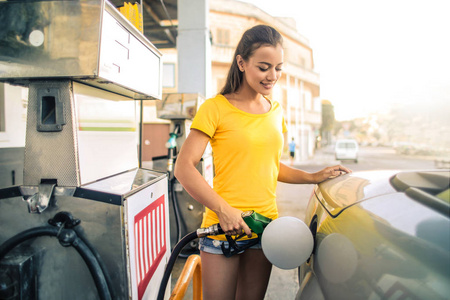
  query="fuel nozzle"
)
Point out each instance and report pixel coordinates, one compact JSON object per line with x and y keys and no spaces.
{"x":172,"y":142}
{"x":171,"y":145}
{"x":211,"y":230}
{"x":254,"y":220}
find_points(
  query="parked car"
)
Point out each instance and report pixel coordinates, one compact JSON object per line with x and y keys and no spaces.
{"x":379,"y":235}
{"x":346,"y":149}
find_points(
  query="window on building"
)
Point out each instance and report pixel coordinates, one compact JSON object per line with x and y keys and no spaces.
{"x":302,"y":61}
{"x":284,"y":98}
{"x":308,"y":100}
{"x":168,"y":75}
{"x":223,"y":36}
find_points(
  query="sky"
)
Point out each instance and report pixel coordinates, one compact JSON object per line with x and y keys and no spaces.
{"x":374,"y":54}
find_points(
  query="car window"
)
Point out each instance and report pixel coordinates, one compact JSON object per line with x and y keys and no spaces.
{"x":347,"y":145}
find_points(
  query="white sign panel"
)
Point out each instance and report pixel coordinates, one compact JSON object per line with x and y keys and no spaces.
{"x":147,"y":225}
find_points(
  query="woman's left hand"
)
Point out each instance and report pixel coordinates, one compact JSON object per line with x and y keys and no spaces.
{"x":331,"y":172}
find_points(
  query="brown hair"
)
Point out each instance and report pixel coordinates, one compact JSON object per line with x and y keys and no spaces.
{"x":251,"y":40}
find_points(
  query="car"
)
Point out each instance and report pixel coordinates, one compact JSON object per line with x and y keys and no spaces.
{"x":346,"y":149}
{"x":379,"y":235}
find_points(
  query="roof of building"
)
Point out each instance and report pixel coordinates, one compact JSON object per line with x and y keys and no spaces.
{"x":160,"y":18}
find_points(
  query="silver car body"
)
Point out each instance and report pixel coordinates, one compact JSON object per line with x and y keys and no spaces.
{"x":379,"y":235}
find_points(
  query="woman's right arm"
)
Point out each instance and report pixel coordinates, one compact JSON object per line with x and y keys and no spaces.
{"x":187,"y":174}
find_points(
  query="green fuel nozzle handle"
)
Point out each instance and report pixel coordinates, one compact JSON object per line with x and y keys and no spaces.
{"x":255,"y":221}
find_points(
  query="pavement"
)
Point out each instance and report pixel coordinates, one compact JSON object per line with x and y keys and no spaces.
{"x":292,"y":201}
{"x":323,"y":156}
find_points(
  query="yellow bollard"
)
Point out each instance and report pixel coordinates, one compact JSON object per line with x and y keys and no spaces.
{"x":191,"y":270}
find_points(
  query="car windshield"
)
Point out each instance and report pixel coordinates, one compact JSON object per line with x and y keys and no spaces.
{"x":346,"y":145}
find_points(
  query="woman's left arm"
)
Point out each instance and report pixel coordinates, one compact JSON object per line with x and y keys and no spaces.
{"x":293,"y":175}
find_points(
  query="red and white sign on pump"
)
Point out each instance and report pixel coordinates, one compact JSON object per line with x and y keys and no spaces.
{"x":150,"y":242}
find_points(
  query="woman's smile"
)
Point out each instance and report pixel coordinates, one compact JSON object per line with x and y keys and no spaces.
{"x":263,"y":69}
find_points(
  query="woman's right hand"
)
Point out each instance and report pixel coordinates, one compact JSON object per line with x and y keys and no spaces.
{"x":231,"y":221}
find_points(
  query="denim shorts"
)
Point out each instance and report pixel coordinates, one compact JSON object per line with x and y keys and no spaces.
{"x":209,"y":245}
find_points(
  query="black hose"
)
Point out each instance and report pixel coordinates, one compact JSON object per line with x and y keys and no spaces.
{"x":173,"y":257}
{"x":9,"y":244}
{"x":172,"y":155}
{"x":94,"y":268}
{"x":80,"y":232}
{"x":176,"y":210}
{"x":68,"y":236}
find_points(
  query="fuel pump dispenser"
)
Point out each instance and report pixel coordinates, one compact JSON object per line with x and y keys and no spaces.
{"x":185,"y":212}
{"x":88,"y":222}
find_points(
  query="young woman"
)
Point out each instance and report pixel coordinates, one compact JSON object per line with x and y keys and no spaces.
{"x":245,"y":129}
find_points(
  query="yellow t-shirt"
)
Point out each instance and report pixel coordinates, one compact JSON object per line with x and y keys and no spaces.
{"x":246,"y":151}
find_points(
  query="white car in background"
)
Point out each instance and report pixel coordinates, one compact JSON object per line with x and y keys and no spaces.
{"x":346,"y":149}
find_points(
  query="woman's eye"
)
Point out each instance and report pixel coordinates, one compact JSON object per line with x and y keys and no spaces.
{"x":267,"y":69}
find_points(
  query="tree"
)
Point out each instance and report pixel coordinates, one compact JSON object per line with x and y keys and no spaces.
{"x":328,"y":120}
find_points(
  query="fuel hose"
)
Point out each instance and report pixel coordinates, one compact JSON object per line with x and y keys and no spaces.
{"x":256,"y":222}
{"x":201,"y":232}
{"x":67,"y":237}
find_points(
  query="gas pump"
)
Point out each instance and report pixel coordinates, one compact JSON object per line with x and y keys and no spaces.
{"x":88,"y":222}
{"x":185,"y":212}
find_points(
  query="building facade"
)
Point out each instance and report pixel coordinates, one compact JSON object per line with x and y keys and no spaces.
{"x":297,"y":90}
